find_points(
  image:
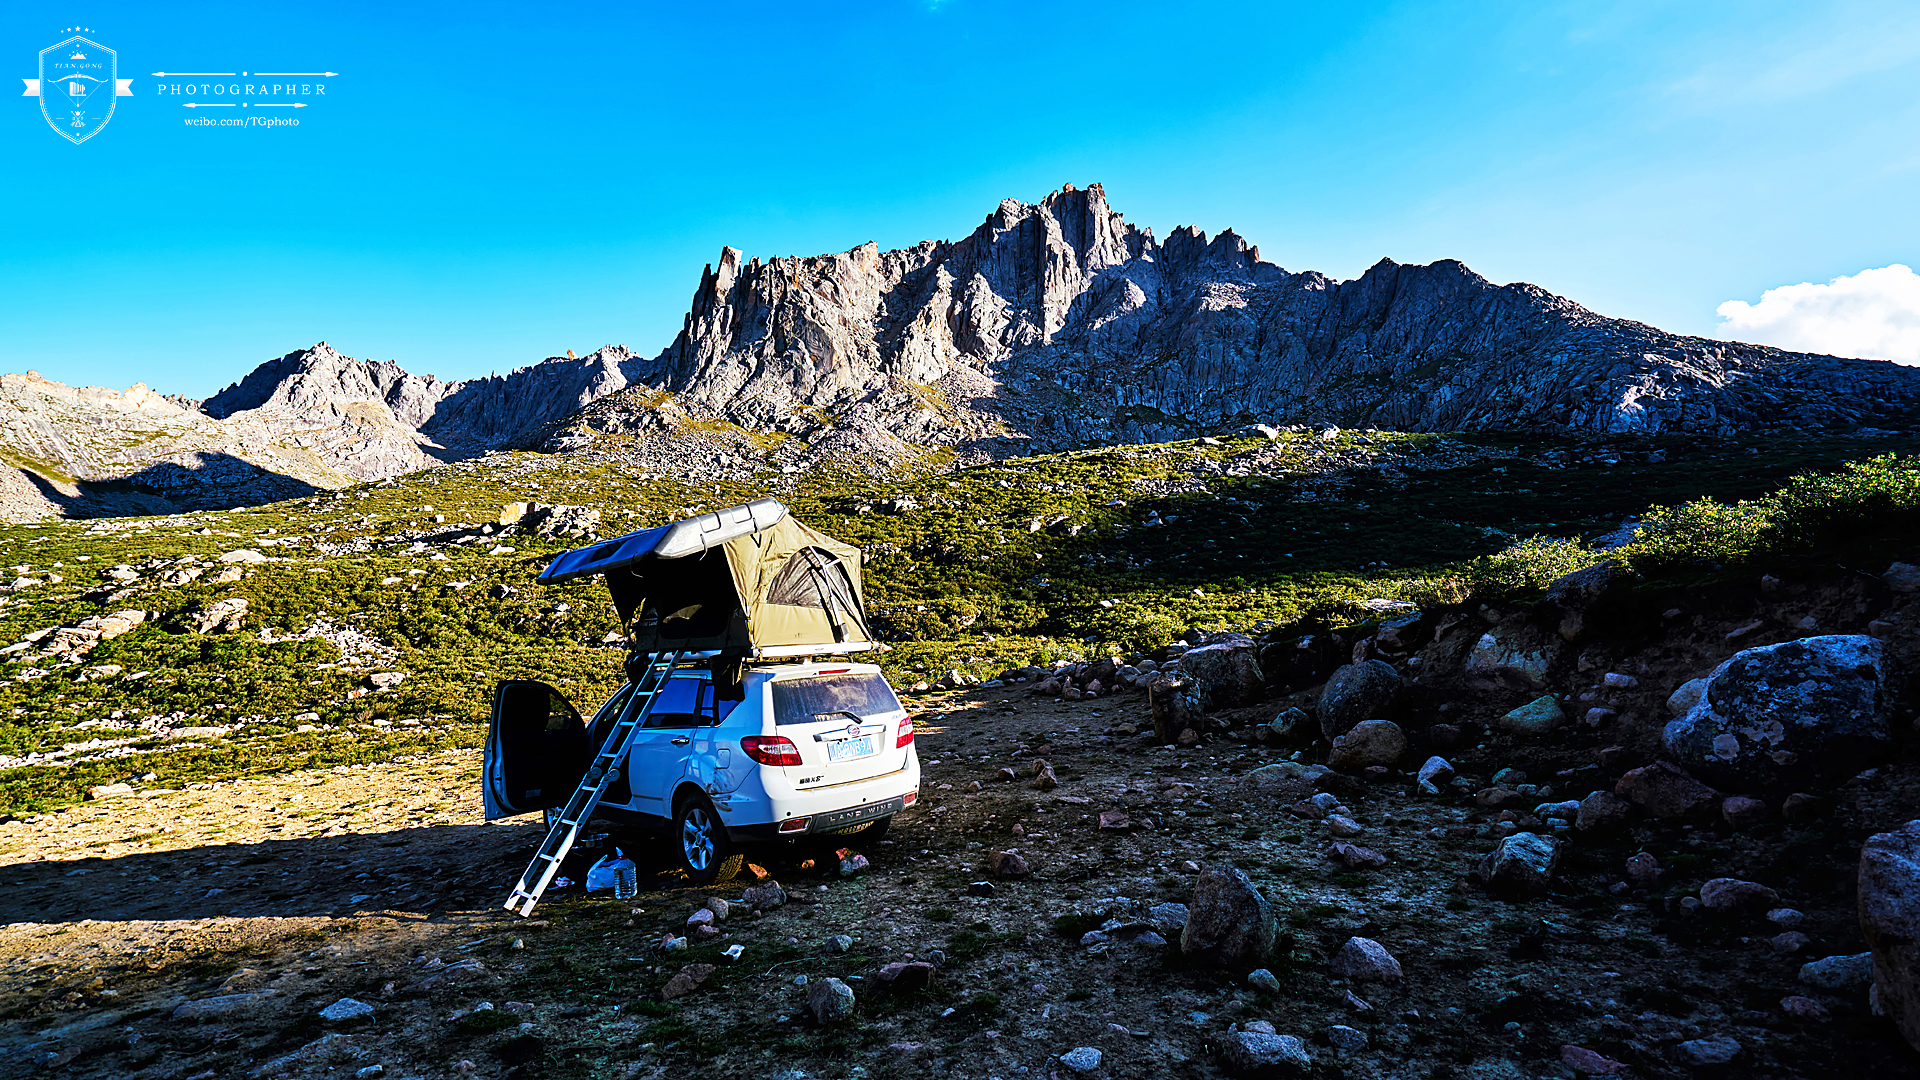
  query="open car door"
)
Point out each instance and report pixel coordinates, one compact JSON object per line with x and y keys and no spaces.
{"x":537,"y":750}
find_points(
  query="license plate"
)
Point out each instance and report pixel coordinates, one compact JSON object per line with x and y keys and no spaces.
{"x":848,"y":749}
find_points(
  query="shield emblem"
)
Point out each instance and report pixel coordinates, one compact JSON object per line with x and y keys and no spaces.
{"x":77,"y":87}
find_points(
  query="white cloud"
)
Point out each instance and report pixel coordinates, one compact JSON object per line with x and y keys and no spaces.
{"x":1873,"y":314}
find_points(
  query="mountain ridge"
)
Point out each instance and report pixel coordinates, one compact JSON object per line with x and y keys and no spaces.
{"x":1051,"y":325}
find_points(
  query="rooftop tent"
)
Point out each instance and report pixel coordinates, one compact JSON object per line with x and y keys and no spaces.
{"x":748,"y":579}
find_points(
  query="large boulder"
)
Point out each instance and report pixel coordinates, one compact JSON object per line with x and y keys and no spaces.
{"x":1584,"y":595}
{"x":1889,"y":891}
{"x":1778,"y":717}
{"x":1368,"y":743}
{"x":1174,"y":701}
{"x":1663,"y":791}
{"x":1356,"y":693}
{"x":1229,"y":923}
{"x":1226,"y":672}
{"x":1510,"y":658}
{"x":1522,"y":864}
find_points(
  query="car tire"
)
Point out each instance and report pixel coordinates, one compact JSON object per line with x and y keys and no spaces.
{"x":700,"y":843}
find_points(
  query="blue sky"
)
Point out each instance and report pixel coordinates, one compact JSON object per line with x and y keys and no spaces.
{"x":487,"y":184}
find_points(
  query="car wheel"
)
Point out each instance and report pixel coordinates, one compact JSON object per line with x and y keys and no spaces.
{"x":706,"y":856}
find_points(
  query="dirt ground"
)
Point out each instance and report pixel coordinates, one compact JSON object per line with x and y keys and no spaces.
{"x":266,"y":901}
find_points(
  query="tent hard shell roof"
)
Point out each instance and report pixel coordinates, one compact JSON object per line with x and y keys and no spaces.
{"x":746,"y":580}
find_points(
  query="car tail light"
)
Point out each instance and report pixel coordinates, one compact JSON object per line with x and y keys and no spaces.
{"x":771,"y":749}
{"x":798,"y":824}
{"x":904,"y":734}
{"x":910,"y":798}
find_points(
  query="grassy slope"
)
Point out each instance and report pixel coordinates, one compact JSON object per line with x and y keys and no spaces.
{"x":1000,"y":564}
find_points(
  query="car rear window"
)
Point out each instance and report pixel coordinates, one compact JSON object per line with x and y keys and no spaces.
{"x":823,"y":697}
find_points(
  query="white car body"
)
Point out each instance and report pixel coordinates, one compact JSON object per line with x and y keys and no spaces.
{"x":803,"y":723}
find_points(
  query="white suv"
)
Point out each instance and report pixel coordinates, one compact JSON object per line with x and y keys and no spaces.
{"x":809,"y":749}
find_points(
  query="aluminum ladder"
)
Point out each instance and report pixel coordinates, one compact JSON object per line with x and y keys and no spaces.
{"x":566,"y":828}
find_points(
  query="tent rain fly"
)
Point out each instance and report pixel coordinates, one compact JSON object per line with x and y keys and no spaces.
{"x":747,"y":580}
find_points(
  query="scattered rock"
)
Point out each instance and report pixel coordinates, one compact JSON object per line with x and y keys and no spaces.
{"x":1601,"y":811}
{"x":1357,"y":693}
{"x":905,"y":977}
{"x":1889,"y":896}
{"x":1226,"y":672}
{"x":1498,"y":660}
{"x":764,"y":897}
{"x":1803,"y":1008}
{"x":1007,"y":864}
{"x":840,"y":943}
{"x":1643,"y":869}
{"x":1744,"y":811}
{"x":1902,"y":577}
{"x":1581,"y":1059}
{"x":386,"y":680}
{"x":1840,"y":974}
{"x":346,"y":1010}
{"x":1258,"y":1053}
{"x":1229,"y":923}
{"x":1522,"y":864}
{"x":830,"y":1001}
{"x":1366,"y":960}
{"x":1663,"y":791}
{"x":1713,"y":1051}
{"x":1262,"y":979}
{"x":1775,"y":717}
{"x":1081,"y":1059}
{"x":1686,"y":696}
{"x":1731,"y":895}
{"x":1536,"y":717}
{"x":1368,"y":743}
{"x":1346,"y":1039}
{"x":686,"y":981}
{"x":1355,"y":857}
{"x":222,"y":1007}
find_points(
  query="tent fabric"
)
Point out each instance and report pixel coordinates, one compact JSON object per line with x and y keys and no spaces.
{"x":783,"y":583}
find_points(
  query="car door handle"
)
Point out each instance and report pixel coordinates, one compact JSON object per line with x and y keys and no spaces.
{"x":681,"y":741}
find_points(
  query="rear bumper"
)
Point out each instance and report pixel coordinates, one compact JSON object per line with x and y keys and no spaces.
{"x":830,"y":821}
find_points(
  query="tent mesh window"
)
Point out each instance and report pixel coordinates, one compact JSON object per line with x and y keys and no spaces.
{"x":817,"y":579}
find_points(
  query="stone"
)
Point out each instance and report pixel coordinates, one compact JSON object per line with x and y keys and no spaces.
{"x":840,"y":943}
{"x":1292,"y":725}
{"x":1357,"y":693}
{"x":1116,"y":820}
{"x":1614,"y":680}
{"x":1800,"y":807}
{"x":1744,"y":812}
{"x":1366,"y":960}
{"x":1229,"y":923}
{"x":830,"y":1001}
{"x":1007,"y":864}
{"x":1789,"y":942}
{"x":222,"y":615}
{"x":1804,"y":1008}
{"x":1259,"y":1053}
{"x":1342,"y":825}
{"x":242,"y":556}
{"x":904,"y":977}
{"x":1081,"y":1059}
{"x":1663,"y":791}
{"x":1713,"y":1051}
{"x":1355,"y":857}
{"x":1600,"y":717}
{"x":109,"y":791}
{"x":1786,"y":918}
{"x":1503,"y":658}
{"x":1889,"y":898}
{"x":764,"y":897}
{"x":1777,"y":717}
{"x":1602,"y":811}
{"x":1902,"y":577}
{"x":1521,"y":864}
{"x":1840,"y":974}
{"x":1686,"y":696}
{"x":1734,"y":896}
{"x":346,"y":1010}
{"x":386,"y":680}
{"x":700,"y":917}
{"x":1044,"y":780}
{"x":1262,"y":979}
{"x":1170,"y":919}
{"x":852,"y":862}
{"x":1174,"y":701}
{"x":1226,"y":672}
{"x":1368,"y":743}
{"x":1643,"y":869}
{"x":686,"y":981}
{"x":511,"y":513}
{"x":720,"y":908}
{"x":1346,"y":1039}
{"x":1582,"y":1060}
{"x":317,"y":1058}
{"x":1537,"y":717}
{"x":1435,"y":773}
